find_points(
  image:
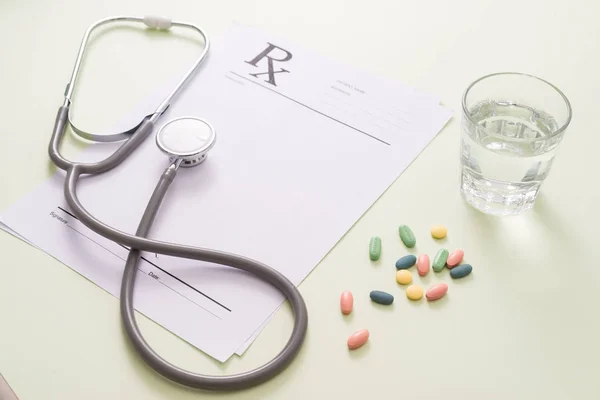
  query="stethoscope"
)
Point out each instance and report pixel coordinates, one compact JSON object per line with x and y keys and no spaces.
{"x":186,"y":140}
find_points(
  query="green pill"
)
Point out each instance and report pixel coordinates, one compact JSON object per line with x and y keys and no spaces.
{"x":439,"y":262}
{"x":407,"y":236}
{"x":375,"y":248}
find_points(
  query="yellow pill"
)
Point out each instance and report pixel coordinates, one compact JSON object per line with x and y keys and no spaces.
{"x":403,"y":277}
{"x":414,"y":292}
{"x":439,"y":231}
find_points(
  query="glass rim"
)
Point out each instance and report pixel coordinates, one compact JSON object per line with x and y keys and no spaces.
{"x":553,"y":134}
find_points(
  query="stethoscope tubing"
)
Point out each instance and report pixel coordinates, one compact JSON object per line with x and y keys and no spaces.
{"x":139,"y":242}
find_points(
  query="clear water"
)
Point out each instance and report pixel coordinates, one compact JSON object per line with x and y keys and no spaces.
{"x":506,"y":155}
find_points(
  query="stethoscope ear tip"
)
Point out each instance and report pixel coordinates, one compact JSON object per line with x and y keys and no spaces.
{"x":157,"y":22}
{"x":187,"y":139}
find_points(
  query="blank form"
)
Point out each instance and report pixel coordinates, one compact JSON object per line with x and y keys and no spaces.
{"x":304,"y":146}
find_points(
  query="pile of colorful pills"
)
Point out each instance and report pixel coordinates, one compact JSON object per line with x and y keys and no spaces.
{"x":443,"y":259}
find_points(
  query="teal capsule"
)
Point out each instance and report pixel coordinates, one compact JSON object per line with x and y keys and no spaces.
{"x":407,"y":236}
{"x":406,"y":262}
{"x":461,"y":271}
{"x":439,"y":262}
{"x":381,"y":297}
{"x":375,"y":248}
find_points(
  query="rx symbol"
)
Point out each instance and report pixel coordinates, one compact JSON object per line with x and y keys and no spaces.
{"x":281,"y":55}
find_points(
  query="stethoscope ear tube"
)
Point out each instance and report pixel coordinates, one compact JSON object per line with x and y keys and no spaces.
{"x":105,"y":138}
{"x":152,"y":22}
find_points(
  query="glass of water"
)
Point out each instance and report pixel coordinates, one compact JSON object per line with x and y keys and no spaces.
{"x":512,"y":125}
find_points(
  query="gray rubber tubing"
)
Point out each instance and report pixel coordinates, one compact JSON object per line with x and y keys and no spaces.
{"x":139,"y":242}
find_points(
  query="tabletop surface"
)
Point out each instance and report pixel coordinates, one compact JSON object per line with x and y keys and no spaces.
{"x":524,"y":325}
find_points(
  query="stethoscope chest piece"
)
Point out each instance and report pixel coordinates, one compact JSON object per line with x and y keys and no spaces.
{"x":187,"y":139}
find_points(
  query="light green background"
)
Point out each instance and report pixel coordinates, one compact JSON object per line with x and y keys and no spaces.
{"x":525,"y":325}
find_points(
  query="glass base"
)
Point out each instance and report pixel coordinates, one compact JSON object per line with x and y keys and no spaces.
{"x":497,"y":197}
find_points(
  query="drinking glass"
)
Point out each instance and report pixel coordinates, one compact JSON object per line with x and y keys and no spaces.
{"x":512,"y":124}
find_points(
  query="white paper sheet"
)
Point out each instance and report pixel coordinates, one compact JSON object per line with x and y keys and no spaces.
{"x":300,"y":155}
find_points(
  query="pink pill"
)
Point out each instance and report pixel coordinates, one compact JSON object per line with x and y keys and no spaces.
{"x":358,"y":338}
{"x":423,"y":264}
{"x":436,"y":292}
{"x":346,"y":303}
{"x":455,"y":258}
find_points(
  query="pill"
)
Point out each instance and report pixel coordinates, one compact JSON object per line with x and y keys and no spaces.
{"x":346,"y":302}
{"x":455,"y":258}
{"x":358,"y":338}
{"x":382,"y":297}
{"x":439,"y":231}
{"x":375,"y":248}
{"x":407,"y":236}
{"x":406,"y":262}
{"x":439,"y":262}
{"x":414,"y":292}
{"x":403,"y":277}
{"x":436,"y":291}
{"x":423,"y":264}
{"x":461,"y":271}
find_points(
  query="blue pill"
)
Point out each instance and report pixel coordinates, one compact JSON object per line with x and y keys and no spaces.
{"x":461,"y":271}
{"x":406,"y":262}
{"x":381,"y":297}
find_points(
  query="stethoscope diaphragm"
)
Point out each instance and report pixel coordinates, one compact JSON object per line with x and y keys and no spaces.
{"x":186,"y":138}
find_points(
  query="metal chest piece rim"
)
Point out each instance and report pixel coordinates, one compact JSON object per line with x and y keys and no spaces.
{"x":186,"y":138}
